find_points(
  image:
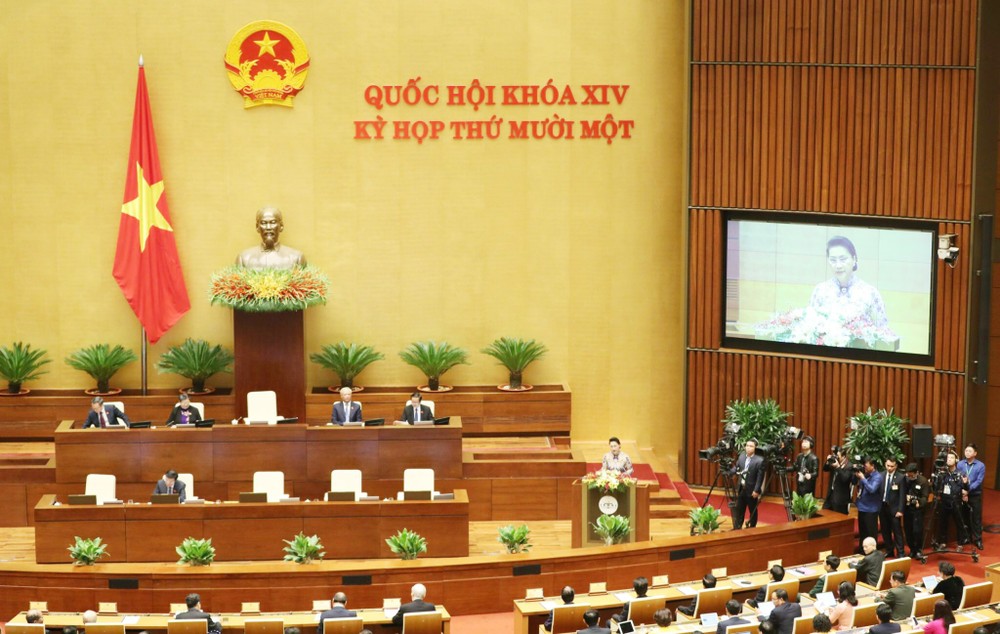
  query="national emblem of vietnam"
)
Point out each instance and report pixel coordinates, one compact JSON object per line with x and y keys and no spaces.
{"x":267,"y":63}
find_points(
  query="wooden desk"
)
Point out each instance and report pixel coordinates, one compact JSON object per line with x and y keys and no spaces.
{"x":374,"y":619}
{"x":232,"y":453}
{"x":243,"y":532}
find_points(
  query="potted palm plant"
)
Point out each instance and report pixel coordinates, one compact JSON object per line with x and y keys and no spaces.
{"x":764,"y":421}
{"x":19,"y":363}
{"x":433,"y":359}
{"x":346,"y":360}
{"x":101,"y":362}
{"x":407,"y":544}
{"x":878,"y":434}
{"x":195,"y":359}
{"x":515,"y":354}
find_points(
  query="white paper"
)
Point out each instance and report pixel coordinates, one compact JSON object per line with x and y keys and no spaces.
{"x":624,"y":597}
{"x":764,"y":609}
{"x":688,"y":590}
{"x":131,"y":619}
{"x":709,"y":619}
{"x":548,"y":605}
{"x":802,"y":572}
{"x":930,"y":582}
{"x":973,"y":616}
{"x":825,"y":600}
{"x":742,"y":582}
{"x":389,"y":612}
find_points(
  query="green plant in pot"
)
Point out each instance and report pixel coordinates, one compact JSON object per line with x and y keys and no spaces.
{"x":195,"y":359}
{"x":303,"y":549}
{"x":196,"y":552}
{"x":86,"y":552}
{"x":516,"y":539}
{"x":101,"y":362}
{"x":613,"y":529}
{"x":704,"y":520}
{"x":407,"y":544}
{"x":878,"y":434}
{"x":764,"y":421}
{"x":346,"y":360}
{"x":19,"y":363}
{"x":515,"y":354}
{"x":804,"y":506}
{"x":434,"y":359}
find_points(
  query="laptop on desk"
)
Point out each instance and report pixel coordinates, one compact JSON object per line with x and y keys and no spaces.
{"x":340,"y":496}
{"x":142,"y":424}
{"x":76,"y":498}
{"x":252,"y":496}
{"x":417,"y":495}
{"x":208,"y":422}
{"x":256,"y":422}
{"x":375,"y":422}
{"x":165,"y":498}
{"x":444,"y":420}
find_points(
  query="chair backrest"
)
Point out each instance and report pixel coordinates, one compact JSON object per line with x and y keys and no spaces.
{"x":187,"y":626}
{"x":121,"y":408}
{"x":423,"y":623}
{"x":712,"y":600}
{"x":24,"y":628}
{"x":188,"y":480}
{"x":419,"y":480}
{"x":966,"y":627}
{"x":270,"y":482}
{"x":566,"y":618}
{"x":976,"y":594}
{"x":791,"y":586}
{"x":803,"y":625}
{"x":923,"y":604}
{"x":102,"y":485}
{"x":640,"y":611}
{"x":753,"y":628}
{"x":429,"y":404}
{"x":346,"y":480}
{"x":864,"y":615}
{"x":106,"y":628}
{"x":264,"y":626}
{"x":200,"y":407}
{"x":262,"y":406}
{"x":832,"y":580}
{"x":351,"y":625}
{"x":888,"y":567}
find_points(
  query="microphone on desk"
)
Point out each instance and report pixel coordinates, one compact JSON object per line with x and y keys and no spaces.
{"x":236,"y":421}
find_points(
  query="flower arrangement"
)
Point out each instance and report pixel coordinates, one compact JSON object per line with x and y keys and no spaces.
{"x":269,"y":290}
{"x":839,"y":329}
{"x":608,"y":481}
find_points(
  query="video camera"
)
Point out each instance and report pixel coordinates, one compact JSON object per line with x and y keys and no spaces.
{"x":780,"y":453}
{"x":945,"y":444}
{"x":725,"y":450}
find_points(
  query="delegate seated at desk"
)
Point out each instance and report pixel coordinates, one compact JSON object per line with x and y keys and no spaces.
{"x":170,"y":484}
{"x":193,"y":602}
{"x":345,"y":410}
{"x":101,"y":415}
{"x":415,"y":411}
{"x":416,"y":604}
{"x":183,"y":413}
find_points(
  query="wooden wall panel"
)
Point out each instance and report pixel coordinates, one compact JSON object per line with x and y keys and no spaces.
{"x":822,"y":395}
{"x":893,"y":32}
{"x":860,"y":141}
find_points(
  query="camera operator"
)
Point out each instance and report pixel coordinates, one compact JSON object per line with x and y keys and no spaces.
{"x":891,"y":514}
{"x":749,"y":470}
{"x":948,"y":487}
{"x":973,"y":471}
{"x":869,"y":502}
{"x":917,"y":489}
{"x":838,"y":496}
{"x":806,"y":468}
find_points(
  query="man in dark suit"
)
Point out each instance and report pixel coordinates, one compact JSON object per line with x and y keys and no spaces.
{"x":784,"y":613}
{"x":641,"y":586}
{"x":338,"y":611}
{"x":885,"y":624}
{"x":890,"y":516}
{"x":415,"y":412}
{"x":917,"y":490}
{"x":775,"y":574}
{"x":870,"y":566}
{"x":838,"y":496}
{"x":170,"y":484}
{"x":193,"y":602}
{"x":899,"y":597}
{"x":567,"y":594}
{"x":590,"y":617}
{"x":101,"y":415}
{"x":749,"y":472}
{"x":733,"y":609}
{"x":707,"y":582}
{"x":345,"y":410}
{"x":416,"y":604}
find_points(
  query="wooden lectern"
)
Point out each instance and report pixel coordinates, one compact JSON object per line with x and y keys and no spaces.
{"x":270,"y":355}
{"x":633,"y":503}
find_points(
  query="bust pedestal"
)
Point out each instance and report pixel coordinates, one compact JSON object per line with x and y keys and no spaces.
{"x":270,"y":355}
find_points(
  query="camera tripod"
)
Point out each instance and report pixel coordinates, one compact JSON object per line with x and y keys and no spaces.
{"x":942,"y":547}
{"x":722,"y":474}
{"x":781,"y":473}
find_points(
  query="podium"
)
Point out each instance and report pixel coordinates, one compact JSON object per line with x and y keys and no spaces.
{"x":589,"y":504}
{"x":270,"y":355}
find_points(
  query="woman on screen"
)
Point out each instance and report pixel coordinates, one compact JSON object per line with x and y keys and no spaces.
{"x":848,"y":301}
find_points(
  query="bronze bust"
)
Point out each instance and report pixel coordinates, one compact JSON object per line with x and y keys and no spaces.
{"x":270,"y":254}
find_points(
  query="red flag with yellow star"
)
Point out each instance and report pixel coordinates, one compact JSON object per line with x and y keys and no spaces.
{"x":146,"y":265}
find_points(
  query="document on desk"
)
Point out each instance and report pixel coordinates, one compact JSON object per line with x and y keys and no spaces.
{"x":764,"y":608}
{"x":742,"y":582}
{"x":625,"y":596}
{"x":802,"y":572}
{"x":548,"y":605}
{"x":973,"y":616}
{"x":130,"y":619}
{"x":389,"y":612}
{"x":688,"y":590}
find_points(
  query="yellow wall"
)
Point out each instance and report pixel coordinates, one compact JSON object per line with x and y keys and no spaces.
{"x":576,"y":243}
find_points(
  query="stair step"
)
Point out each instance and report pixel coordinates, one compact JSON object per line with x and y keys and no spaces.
{"x":669,"y":512}
{"x":664,"y":496}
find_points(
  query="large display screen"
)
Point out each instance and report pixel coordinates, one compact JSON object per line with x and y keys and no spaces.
{"x":842,"y":290}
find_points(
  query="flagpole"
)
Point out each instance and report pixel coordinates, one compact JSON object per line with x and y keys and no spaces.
{"x":143,"y":360}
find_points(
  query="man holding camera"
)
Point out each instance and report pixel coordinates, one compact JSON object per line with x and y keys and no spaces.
{"x":869,"y":502}
{"x":839,"y":494}
{"x":806,"y":468}
{"x":949,"y":489}
{"x":917,"y":490}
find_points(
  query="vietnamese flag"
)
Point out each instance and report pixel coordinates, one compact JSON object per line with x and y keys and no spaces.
{"x":146,"y":265}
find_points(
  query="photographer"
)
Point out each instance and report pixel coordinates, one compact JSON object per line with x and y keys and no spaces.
{"x":948,"y":487}
{"x":869,"y":502}
{"x":973,"y":471}
{"x":917,"y":490}
{"x":838,"y":496}
{"x":806,"y":468}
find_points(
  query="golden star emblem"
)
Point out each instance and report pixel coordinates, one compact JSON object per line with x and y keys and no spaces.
{"x":143,"y":207}
{"x":266,"y":45}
